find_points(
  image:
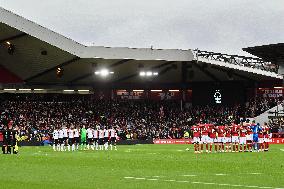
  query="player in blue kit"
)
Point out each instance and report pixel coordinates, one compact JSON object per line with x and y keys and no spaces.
{"x":255,"y":129}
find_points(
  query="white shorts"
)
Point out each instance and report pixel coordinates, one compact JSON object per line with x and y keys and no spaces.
{"x":221,"y":139}
{"x":249,"y":137}
{"x":267,"y":140}
{"x":260,"y":140}
{"x":196,"y":140}
{"x":243,"y":140}
{"x":212,"y":140}
{"x":228,"y":140}
{"x":205,"y":139}
{"x":235,"y":139}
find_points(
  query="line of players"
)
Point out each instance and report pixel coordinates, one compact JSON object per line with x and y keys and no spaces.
{"x":70,"y":139}
{"x":243,"y":137}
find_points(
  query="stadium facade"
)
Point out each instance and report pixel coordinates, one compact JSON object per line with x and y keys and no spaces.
{"x":34,"y":57}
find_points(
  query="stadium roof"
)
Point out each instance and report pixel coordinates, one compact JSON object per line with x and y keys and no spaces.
{"x":272,"y":52}
{"x":38,"y":52}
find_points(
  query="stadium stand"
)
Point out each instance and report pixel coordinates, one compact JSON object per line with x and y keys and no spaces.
{"x":36,"y":115}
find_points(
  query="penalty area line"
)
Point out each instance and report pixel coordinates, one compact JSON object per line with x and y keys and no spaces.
{"x":203,"y":183}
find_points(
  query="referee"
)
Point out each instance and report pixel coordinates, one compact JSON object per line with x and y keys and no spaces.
{"x":6,"y":141}
{"x":9,"y":140}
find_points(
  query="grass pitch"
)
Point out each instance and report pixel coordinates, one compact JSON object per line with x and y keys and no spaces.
{"x":141,"y":166}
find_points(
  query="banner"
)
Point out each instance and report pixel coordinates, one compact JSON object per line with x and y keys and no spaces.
{"x":172,"y":141}
{"x":277,"y":141}
{"x":123,"y":94}
{"x":189,"y":141}
{"x":165,"y":95}
{"x":270,"y":92}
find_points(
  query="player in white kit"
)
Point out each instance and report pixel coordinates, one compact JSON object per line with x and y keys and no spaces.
{"x":96,"y":138}
{"x":112,"y":132}
{"x":71,"y":139}
{"x":106,"y":135}
{"x":77,"y":137}
{"x":61,"y":140}
{"x":55,"y":140}
{"x":65,"y":137}
{"x":90,"y":138}
{"x":101,"y":139}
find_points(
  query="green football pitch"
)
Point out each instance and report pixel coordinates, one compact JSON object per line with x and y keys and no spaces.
{"x":141,"y":166}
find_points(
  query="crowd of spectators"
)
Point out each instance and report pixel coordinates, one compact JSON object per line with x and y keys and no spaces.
{"x":36,"y":115}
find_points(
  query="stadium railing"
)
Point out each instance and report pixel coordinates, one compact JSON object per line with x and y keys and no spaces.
{"x":251,"y":62}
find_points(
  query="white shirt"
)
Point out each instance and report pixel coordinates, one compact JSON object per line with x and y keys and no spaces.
{"x":71,"y":133}
{"x":106,"y":133}
{"x":90,"y":133}
{"x":101,"y":133}
{"x":112,"y":132}
{"x":55,"y":134}
{"x":95,"y":133}
{"x":60,"y":133}
{"x":65,"y":131}
{"x":76,"y":133}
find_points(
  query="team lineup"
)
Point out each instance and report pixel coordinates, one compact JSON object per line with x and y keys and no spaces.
{"x":91,"y":138}
{"x":243,"y":137}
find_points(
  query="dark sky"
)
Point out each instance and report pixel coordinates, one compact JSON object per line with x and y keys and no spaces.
{"x":214,"y":25}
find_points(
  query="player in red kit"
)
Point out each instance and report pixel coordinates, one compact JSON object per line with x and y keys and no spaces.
{"x":221,"y":138}
{"x":266,"y":133}
{"x":213,"y":137}
{"x":228,"y":138}
{"x":235,"y":137}
{"x":249,"y":137}
{"x":204,"y":136}
{"x":196,"y":138}
{"x":260,"y":141}
{"x":243,"y":140}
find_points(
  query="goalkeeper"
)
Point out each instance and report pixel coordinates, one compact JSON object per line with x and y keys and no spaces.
{"x":83,"y":137}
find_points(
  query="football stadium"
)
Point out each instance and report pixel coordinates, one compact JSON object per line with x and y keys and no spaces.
{"x":77,"y":116}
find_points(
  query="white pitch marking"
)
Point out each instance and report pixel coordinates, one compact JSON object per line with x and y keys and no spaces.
{"x":224,"y":184}
{"x":282,"y":150}
{"x":251,"y":186}
{"x":179,"y":150}
{"x":189,"y":175}
{"x":254,"y":173}
{"x":183,"y":181}
{"x":157,"y":176}
{"x":208,"y":183}
{"x":220,"y":174}
{"x":237,"y":185}
{"x":140,"y":178}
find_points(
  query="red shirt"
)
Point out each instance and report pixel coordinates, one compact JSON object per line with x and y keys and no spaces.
{"x":221,"y":131}
{"x":196,"y":131}
{"x":266,"y":132}
{"x":228,"y":132}
{"x":249,"y":131}
{"x":204,"y":130}
{"x":235,"y":130}
{"x":243,"y":131}
{"x":260,"y":135}
{"x":212,"y":133}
